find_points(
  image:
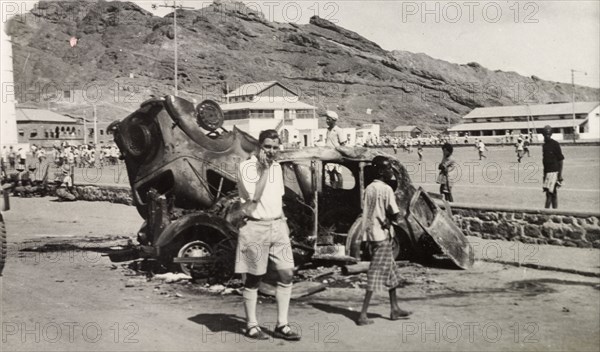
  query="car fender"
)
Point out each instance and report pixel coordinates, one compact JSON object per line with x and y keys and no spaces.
{"x":181,"y":225}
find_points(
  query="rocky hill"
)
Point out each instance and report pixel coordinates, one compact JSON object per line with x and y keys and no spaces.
{"x":128,"y":54}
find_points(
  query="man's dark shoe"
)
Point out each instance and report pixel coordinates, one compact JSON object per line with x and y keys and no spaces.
{"x":286,"y":333}
{"x":256,"y":333}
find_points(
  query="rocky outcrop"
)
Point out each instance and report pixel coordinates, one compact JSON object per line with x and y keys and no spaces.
{"x":228,"y":44}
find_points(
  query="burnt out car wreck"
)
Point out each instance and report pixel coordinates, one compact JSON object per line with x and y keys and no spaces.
{"x":182,"y":167}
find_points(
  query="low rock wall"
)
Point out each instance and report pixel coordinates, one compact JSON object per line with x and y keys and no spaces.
{"x":106,"y":193}
{"x":540,"y":226}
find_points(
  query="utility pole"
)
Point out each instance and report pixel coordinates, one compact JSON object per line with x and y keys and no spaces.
{"x":175,"y":7}
{"x":575,"y":129}
{"x":95,"y":137}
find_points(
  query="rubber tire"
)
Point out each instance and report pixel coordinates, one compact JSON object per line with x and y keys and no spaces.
{"x":184,"y":267}
{"x":2,"y":244}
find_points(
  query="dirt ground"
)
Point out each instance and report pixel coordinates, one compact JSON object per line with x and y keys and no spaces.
{"x":77,"y":300}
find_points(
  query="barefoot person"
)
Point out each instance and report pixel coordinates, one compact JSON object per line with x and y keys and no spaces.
{"x":446,"y":166}
{"x":379,"y":210}
{"x":264,"y":237}
{"x":552,"y":158}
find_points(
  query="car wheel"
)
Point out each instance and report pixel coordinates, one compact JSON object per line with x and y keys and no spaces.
{"x":2,"y":244}
{"x":198,"y":249}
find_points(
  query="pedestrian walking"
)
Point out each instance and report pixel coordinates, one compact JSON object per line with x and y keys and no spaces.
{"x":420,"y":152}
{"x":3,"y":158}
{"x":526,"y":146}
{"x":552,"y":159}
{"x":520,"y":149}
{"x":380,"y":210}
{"x":481,"y":148}
{"x":446,"y":167}
{"x":12,"y":156}
{"x":264,"y":237}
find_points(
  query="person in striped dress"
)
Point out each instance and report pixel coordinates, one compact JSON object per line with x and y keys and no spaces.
{"x":380,"y":210}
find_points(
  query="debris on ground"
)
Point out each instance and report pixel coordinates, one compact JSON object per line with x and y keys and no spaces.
{"x":172,"y":277}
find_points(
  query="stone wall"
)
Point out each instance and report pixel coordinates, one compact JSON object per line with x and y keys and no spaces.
{"x":107,"y":193}
{"x":543,"y":226}
{"x":540,"y":226}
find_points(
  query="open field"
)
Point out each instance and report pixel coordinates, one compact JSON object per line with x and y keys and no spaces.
{"x":500,"y":180}
{"x":497,"y":180}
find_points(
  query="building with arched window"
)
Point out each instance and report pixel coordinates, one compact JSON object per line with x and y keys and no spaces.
{"x":46,"y":128}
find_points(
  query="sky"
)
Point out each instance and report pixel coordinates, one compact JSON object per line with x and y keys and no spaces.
{"x":543,"y":38}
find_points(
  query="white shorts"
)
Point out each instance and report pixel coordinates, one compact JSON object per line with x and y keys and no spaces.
{"x":261,"y":242}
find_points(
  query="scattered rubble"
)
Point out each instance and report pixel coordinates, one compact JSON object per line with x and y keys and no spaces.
{"x":172,"y":277}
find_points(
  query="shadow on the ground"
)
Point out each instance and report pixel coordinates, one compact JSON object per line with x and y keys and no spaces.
{"x":350,"y":314}
{"x":220,"y":322}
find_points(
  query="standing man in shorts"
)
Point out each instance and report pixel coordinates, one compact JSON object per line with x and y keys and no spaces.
{"x":552,"y":158}
{"x":379,"y":211}
{"x":264,"y":238}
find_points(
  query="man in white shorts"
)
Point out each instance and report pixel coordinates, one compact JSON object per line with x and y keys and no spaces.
{"x":264,"y":238}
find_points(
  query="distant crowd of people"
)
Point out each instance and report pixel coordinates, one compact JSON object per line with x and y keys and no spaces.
{"x":25,"y":171}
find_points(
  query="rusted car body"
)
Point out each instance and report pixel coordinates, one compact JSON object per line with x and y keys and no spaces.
{"x":182,"y":170}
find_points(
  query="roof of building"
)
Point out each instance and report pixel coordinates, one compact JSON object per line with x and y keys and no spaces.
{"x":255,"y":89}
{"x":406,"y":128}
{"x":532,"y":110}
{"x":27,"y":114}
{"x":513,"y":125}
{"x":267,"y":105}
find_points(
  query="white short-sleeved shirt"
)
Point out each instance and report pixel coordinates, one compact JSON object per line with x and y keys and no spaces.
{"x":335,"y":137}
{"x":379,"y":203}
{"x":270,"y":204}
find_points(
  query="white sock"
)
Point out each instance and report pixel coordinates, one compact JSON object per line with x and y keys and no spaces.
{"x":250,"y":298}
{"x":283,"y":294}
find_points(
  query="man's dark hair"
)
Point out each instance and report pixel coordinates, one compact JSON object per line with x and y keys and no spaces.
{"x":380,"y":163}
{"x":447,"y":146}
{"x":271,"y":134}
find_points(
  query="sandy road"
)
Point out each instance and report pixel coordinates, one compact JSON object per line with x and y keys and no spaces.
{"x":79,"y":301}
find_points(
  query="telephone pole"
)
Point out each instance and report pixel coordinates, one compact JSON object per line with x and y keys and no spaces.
{"x":175,"y":7}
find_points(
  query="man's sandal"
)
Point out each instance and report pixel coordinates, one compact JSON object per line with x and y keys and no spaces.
{"x":255,"y":333}
{"x":286,"y":333}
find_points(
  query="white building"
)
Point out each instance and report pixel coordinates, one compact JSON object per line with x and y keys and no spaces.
{"x":270,"y":105}
{"x":407,"y":132}
{"x":496,"y":123}
{"x":368,"y":133}
{"x":8,"y":119}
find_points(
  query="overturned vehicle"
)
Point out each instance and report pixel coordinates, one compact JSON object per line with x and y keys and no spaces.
{"x":182,"y":167}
